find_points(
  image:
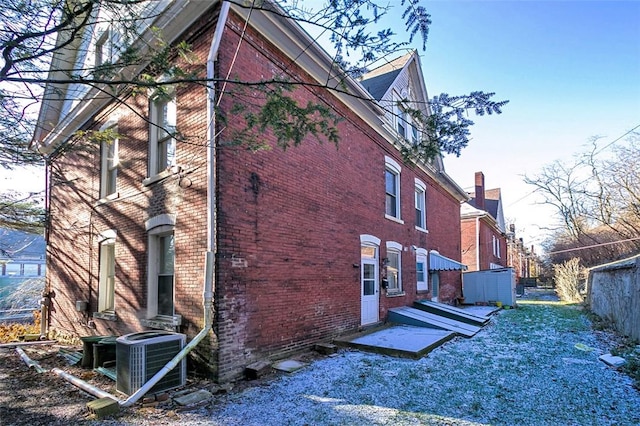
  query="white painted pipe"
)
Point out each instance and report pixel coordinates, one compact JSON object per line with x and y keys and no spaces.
{"x":31,"y":363}
{"x":211,"y":214}
{"x":83,"y":385}
{"x":43,"y":321}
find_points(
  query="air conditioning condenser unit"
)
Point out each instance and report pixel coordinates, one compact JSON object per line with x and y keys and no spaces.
{"x":139,"y":356}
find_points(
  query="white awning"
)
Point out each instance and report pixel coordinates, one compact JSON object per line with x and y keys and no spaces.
{"x":438,"y":262}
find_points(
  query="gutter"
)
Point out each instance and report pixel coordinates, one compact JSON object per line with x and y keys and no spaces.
{"x":211,"y":237}
{"x":478,"y":243}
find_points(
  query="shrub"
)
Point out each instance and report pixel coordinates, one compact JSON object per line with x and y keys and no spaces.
{"x":569,"y":281}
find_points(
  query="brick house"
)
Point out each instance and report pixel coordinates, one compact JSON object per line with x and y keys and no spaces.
{"x":309,"y":242}
{"x":484,"y":237}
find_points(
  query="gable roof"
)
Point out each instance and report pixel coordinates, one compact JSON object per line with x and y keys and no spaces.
{"x":492,"y":205}
{"x":403,"y":77}
{"x":380,"y":79}
{"x":379,"y":84}
{"x":492,"y":199}
{"x":21,"y":245}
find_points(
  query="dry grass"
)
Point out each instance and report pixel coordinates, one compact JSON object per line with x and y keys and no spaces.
{"x":15,"y":332}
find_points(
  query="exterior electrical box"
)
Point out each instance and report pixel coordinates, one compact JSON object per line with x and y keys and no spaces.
{"x":139,"y":356}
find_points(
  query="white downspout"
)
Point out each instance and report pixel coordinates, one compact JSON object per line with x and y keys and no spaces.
{"x":211,"y":238}
{"x":211,"y":216}
{"x":477,"y":243}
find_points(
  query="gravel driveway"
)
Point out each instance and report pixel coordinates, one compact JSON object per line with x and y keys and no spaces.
{"x":524,"y":368}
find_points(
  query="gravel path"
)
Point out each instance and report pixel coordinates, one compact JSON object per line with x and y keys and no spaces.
{"x":522,"y":369}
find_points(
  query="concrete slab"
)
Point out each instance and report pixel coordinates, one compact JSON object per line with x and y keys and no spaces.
{"x":288,"y":366}
{"x":257,"y":369}
{"x":416,"y":317}
{"x":612,"y":360}
{"x":481,"y":311}
{"x":194,"y":397}
{"x":398,"y":340}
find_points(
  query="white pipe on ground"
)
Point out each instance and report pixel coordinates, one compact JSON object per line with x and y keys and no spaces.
{"x":83,"y":385}
{"x":31,"y":363}
{"x":16,"y":344}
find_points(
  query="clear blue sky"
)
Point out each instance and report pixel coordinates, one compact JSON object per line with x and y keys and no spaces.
{"x":571,"y":70}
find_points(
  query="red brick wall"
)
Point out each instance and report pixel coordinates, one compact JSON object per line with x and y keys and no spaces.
{"x":78,"y":218}
{"x":295,"y":217}
{"x":470,"y":245}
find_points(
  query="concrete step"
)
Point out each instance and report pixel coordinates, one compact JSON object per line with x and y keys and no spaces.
{"x":451,"y":312}
{"x":416,"y":317}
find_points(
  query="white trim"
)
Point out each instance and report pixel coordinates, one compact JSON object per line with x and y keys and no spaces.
{"x":109,"y":234}
{"x":156,"y":227}
{"x":162,"y":130}
{"x":370,"y":303}
{"x":392,"y":164}
{"x":395,"y":248}
{"x":168,"y":219}
{"x":369,"y":239}
{"x":421,"y":257}
{"x":109,"y":162}
{"x":153,"y":267}
{"x":393,"y":218}
{"x":107,"y":264}
{"x":421,"y":191}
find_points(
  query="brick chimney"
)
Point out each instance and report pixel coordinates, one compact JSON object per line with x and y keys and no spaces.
{"x":480,"y":191}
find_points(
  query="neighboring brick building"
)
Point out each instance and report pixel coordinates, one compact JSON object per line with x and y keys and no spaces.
{"x":304,"y":239}
{"x":484,"y":238}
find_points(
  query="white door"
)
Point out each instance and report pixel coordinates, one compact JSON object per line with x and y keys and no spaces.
{"x":369,"y":289}
{"x":435,"y":285}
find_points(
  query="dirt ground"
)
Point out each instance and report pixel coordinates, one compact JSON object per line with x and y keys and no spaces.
{"x":31,"y":398}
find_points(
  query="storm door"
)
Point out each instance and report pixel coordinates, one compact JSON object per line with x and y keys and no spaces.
{"x":369,"y":287}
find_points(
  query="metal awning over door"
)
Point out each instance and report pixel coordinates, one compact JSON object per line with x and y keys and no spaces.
{"x":438,"y":262}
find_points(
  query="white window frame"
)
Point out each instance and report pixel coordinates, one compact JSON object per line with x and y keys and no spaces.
{"x":109,"y":162}
{"x":400,"y":117}
{"x":394,"y":251}
{"x":401,"y":122}
{"x":420,"y":210}
{"x":107,"y":276}
{"x":414,"y":134}
{"x":157,"y":227}
{"x":103,"y":47}
{"x":421,"y":258}
{"x":496,"y":246}
{"x":392,"y":167}
{"x":162,"y":128}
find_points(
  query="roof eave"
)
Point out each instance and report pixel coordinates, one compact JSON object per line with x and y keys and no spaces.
{"x":172,"y":21}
